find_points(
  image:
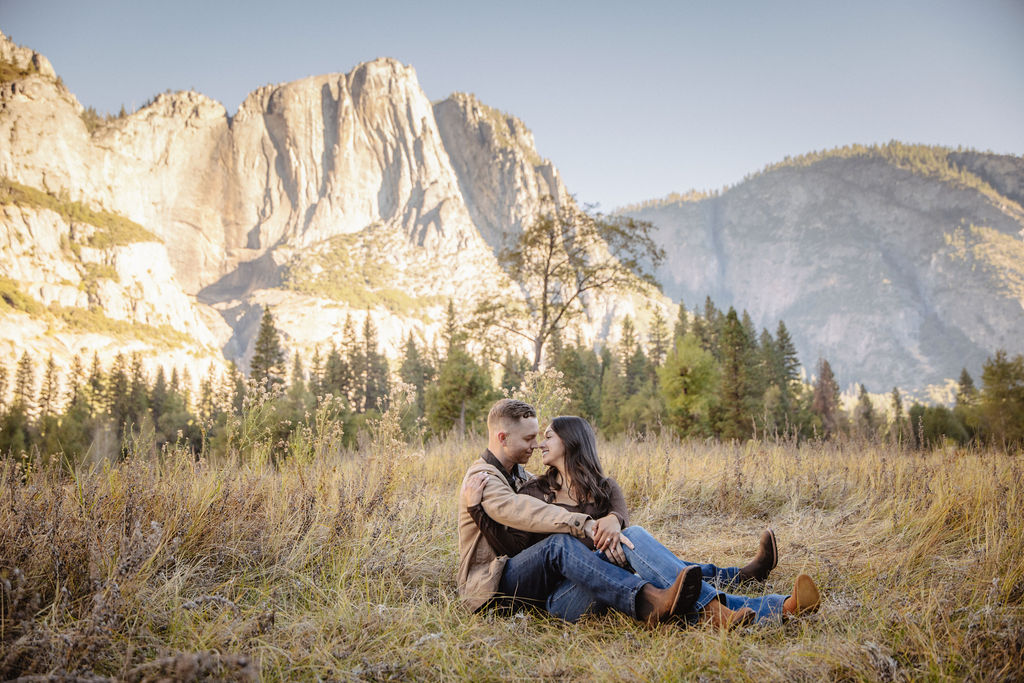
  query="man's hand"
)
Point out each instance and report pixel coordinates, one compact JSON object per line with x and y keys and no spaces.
{"x":473,"y":489}
{"x":607,"y":538}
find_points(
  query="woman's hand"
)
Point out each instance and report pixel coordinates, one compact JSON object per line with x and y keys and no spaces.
{"x":606,"y":531}
{"x":473,"y":489}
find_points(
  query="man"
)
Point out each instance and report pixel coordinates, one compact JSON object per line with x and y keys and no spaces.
{"x":542,"y":574}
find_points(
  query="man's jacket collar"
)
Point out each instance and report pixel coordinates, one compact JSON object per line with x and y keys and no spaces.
{"x":516,"y":478}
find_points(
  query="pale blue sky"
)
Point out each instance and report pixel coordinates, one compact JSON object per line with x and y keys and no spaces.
{"x":630,"y":100}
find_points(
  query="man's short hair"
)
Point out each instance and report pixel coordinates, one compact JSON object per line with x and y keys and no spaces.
{"x":506,"y":410}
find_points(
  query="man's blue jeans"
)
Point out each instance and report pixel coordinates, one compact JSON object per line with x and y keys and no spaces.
{"x":654,"y":563}
{"x":535,"y":574}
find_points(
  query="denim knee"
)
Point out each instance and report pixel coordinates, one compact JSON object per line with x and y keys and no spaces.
{"x":560,"y":542}
{"x":634,"y":532}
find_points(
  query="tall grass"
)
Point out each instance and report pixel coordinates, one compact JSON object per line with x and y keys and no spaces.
{"x":340,"y":565}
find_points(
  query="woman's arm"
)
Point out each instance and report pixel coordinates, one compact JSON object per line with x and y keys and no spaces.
{"x":618,"y":503}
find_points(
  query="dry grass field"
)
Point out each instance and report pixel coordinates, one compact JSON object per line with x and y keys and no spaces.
{"x":340,"y":566}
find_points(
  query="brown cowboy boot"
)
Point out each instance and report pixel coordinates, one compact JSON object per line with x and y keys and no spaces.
{"x":721,"y":618}
{"x":805,"y":597}
{"x":764,"y":562}
{"x":655,"y":605}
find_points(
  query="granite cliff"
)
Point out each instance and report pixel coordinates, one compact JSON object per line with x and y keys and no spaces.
{"x":325,"y":197}
{"x":900,"y":264}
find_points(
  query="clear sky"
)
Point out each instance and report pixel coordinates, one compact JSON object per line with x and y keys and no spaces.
{"x":630,"y":100}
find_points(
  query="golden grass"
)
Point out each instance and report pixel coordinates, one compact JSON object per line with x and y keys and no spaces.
{"x":342,"y":566}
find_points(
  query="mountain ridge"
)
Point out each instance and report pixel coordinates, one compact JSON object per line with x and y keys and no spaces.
{"x":243,"y":203}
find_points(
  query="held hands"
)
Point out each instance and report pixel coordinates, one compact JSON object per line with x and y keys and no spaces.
{"x":473,"y":488}
{"x":607,"y":538}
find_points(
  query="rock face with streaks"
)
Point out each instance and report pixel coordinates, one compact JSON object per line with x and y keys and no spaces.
{"x":326,"y":198}
{"x":899,"y":264}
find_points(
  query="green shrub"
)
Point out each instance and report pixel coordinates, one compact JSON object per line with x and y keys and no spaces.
{"x":331,"y":272}
{"x":11,"y":297}
{"x":94,"y":320}
{"x":111,"y":229}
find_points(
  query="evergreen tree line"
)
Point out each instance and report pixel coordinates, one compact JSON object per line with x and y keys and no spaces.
{"x":710,"y":375}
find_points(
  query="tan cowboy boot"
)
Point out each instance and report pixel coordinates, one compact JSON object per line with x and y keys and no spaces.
{"x":805,"y":597}
{"x":721,"y":618}
{"x":655,"y":605}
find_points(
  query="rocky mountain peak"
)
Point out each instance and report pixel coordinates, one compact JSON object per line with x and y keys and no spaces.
{"x":24,"y":59}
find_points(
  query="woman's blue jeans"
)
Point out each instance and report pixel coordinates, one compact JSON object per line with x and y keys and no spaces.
{"x":654,"y":563}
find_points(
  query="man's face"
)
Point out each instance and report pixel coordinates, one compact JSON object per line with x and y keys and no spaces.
{"x":520,"y":439}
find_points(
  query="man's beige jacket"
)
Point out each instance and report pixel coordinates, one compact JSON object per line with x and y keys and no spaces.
{"x":479,"y":568}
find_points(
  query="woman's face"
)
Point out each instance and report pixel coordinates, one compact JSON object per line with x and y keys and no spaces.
{"x":552,"y":449}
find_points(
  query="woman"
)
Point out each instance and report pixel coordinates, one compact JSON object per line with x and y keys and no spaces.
{"x":574,"y":480}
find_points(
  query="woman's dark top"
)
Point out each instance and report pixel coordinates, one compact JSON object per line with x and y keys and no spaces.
{"x":508,"y":541}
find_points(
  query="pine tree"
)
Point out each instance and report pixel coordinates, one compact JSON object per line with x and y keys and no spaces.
{"x":417,"y":372}
{"x":207,"y":409}
{"x":826,"y":399}
{"x":682,"y":322}
{"x":138,"y":392}
{"x":97,"y":394}
{"x":452,"y":335}
{"x":712,"y":328}
{"x":353,"y":368}
{"x":581,"y":373}
{"x":864,"y":415}
{"x":25,"y":387}
{"x":628,"y":342}
{"x":701,"y":332}
{"x":966,"y":392}
{"x":632,"y":361}
{"x":76,"y":381}
{"x":515,"y":367}
{"x":236,"y":388}
{"x":658,"y":340}
{"x":118,"y":395}
{"x":734,"y":388}
{"x":299,"y":397}
{"x":614,"y":393}
{"x":49,"y":394}
{"x":789,"y":364}
{"x":897,"y":428}
{"x":376,"y":378}
{"x":159,"y":394}
{"x":966,"y":410}
{"x":316,"y":371}
{"x":267,"y":364}
{"x":461,"y":395}
{"x":1002,"y":399}
{"x":689,"y":382}
{"x":336,"y":375}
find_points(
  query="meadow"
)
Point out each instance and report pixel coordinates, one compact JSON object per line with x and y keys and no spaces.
{"x":340,"y":565}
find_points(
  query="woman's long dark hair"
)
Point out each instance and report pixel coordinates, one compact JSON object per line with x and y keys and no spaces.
{"x":581,"y":463}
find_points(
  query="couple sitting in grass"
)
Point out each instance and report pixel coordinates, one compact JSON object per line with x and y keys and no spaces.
{"x":562,"y":541}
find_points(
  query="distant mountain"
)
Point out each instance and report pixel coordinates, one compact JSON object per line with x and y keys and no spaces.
{"x":900,"y":264}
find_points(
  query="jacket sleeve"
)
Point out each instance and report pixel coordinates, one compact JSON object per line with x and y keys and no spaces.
{"x":618,"y":503}
{"x":502,"y":539}
{"x":526,"y":513}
